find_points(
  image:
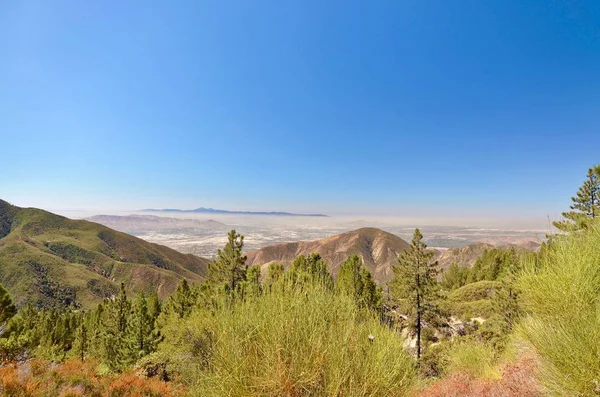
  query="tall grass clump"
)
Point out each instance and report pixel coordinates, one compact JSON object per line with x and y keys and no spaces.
{"x":477,"y":359}
{"x":301,"y":342}
{"x":560,"y":293}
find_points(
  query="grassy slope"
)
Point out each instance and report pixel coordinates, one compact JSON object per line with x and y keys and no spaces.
{"x":50,"y":260}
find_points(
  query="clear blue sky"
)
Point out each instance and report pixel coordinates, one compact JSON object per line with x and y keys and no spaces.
{"x":330,"y":106}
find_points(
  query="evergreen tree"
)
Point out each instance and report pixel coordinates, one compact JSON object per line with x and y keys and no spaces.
{"x":493,"y":264}
{"x":455,"y":277}
{"x":182,"y":301}
{"x":252,"y":284}
{"x":275,"y":272}
{"x":82,"y":342}
{"x":7,"y":307}
{"x":154,"y":306}
{"x":229,"y":267}
{"x":141,"y":327}
{"x":306,"y":270}
{"x":414,"y":285}
{"x":586,"y":204}
{"x":355,"y":280}
{"x":115,"y":350}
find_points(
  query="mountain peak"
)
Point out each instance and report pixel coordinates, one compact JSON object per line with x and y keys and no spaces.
{"x":377,"y":248}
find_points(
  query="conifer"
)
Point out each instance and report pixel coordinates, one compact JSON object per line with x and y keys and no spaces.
{"x":141,"y":326}
{"x":182,"y":301}
{"x":586,"y":204}
{"x":355,"y":280}
{"x":229,"y":267}
{"x":7,"y":307}
{"x":414,"y":286}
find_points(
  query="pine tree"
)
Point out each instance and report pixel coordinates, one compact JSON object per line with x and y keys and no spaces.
{"x":275,"y":272}
{"x":356,"y":281}
{"x":141,"y":327}
{"x":309,"y":270}
{"x":414,"y":286}
{"x":586,"y":204}
{"x":229,"y":267}
{"x":253,"y":286}
{"x":154,"y":306}
{"x":182,"y":300}
{"x":115,"y":350}
{"x":7,"y":307}
{"x":81,"y":343}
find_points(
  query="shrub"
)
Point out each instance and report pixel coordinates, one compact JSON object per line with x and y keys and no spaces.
{"x":76,"y":378}
{"x":306,"y":341}
{"x":561,"y":297}
{"x":474,"y":358}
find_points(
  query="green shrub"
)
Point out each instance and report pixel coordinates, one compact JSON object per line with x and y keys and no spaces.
{"x":306,"y":341}
{"x":560,"y":294}
{"x":472,"y":357}
{"x":475,"y":291}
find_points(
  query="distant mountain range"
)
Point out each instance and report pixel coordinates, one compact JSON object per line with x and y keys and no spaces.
{"x":143,"y":223}
{"x":203,"y":210}
{"x":52,"y":261}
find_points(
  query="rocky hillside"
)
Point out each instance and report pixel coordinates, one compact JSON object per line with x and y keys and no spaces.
{"x":464,"y":256}
{"x":50,"y":260}
{"x":377,"y":248}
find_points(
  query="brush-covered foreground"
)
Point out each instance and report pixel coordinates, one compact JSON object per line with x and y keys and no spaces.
{"x":561,"y":295}
{"x":307,"y":341}
{"x":300,"y":333}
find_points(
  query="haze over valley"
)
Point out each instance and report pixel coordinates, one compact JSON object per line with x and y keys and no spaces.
{"x":204,"y":234}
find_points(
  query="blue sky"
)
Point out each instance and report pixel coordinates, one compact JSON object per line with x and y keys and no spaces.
{"x":433,"y":107}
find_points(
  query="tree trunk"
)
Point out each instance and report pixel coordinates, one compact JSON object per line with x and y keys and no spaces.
{"x":418,"y":326}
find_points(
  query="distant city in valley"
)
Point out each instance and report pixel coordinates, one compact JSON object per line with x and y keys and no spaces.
{"x":203,"y":234}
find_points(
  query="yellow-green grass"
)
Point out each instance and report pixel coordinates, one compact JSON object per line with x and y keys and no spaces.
{"x":561,"y":296}
{"x":311,"y":343}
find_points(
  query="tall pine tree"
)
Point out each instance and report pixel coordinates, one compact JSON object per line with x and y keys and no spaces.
{"x":229,"y":267}
{"x":414,"y":286}
{"x":181,"y":301}
{"x":309,"y":270}
{"x":114,"y":342}
{"x":140,"y":328}
{"x":356,"y":281}
{"x":586,"y":204}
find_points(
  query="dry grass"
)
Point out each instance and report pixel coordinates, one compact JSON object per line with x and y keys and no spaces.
{"x":74,"y":378}
{"x":516,"y":380}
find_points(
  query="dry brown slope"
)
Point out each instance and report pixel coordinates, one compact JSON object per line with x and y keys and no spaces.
{"x":377,"y":248}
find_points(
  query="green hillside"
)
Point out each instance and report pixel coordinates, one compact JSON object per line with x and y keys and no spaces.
{"x":50,"y":260}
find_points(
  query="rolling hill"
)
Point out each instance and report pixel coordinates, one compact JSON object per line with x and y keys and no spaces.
{"x":377,"y":248}
{"x":49,"y":260}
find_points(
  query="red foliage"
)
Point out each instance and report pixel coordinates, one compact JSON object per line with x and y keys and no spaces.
{"x":75,"y":378}
{"x":517,"y":381}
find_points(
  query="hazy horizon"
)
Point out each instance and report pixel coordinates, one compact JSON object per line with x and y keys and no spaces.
{"x":423,"y":218}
